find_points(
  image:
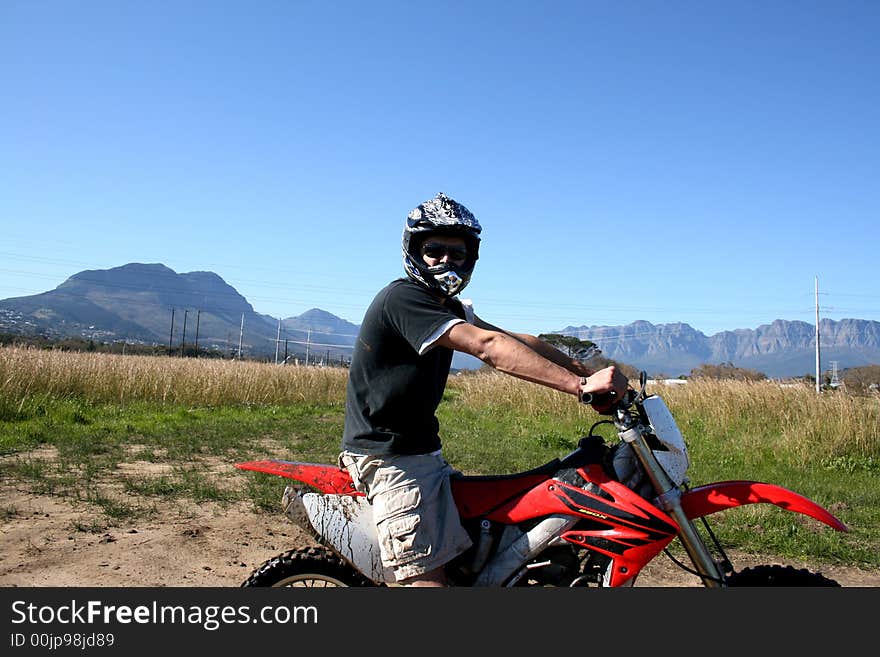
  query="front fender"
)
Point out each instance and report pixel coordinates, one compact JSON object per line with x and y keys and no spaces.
{"x":703,"y":500}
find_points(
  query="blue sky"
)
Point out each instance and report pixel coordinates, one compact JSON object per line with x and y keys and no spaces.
{"x":698,"y":162}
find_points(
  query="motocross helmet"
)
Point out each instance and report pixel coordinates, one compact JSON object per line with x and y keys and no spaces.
{"x":440,"y":216}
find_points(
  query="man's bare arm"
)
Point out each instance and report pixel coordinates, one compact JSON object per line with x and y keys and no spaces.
{"x":510,"y":355}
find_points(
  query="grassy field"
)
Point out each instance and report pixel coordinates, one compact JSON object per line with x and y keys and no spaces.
{"x":72,"y":423}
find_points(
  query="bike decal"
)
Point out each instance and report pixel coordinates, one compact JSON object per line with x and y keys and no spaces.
{"x":621,"y":513}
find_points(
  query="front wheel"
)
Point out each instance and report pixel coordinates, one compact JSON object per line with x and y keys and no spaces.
{"x":778,"y":576}
{"x":311,"y":567}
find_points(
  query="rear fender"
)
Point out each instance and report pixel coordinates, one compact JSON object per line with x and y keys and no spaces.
{"x":337,"y":514}
{"x":704,"y":500}
{"x":345,"y":522}
{"x":324,"y":478}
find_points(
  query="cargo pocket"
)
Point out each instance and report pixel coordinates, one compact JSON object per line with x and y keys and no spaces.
{"x":398,"y":524}
{"x":401,"y":534}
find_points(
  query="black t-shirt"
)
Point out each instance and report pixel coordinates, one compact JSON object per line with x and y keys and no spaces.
{"x":393,"y":390}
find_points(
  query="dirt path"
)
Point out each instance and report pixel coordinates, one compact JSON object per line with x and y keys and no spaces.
{"x":47,"y":541}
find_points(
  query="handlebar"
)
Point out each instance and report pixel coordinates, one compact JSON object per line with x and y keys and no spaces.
{"x":607,"y":403}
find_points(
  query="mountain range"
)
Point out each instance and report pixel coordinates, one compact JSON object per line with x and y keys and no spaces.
{"x":780,"y":349}
{"x":152,"y":304}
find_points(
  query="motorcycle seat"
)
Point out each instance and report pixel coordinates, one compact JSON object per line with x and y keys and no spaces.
{"x":477,"y":495}
{"x":548,"y":469}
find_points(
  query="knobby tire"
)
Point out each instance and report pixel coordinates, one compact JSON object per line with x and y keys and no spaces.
{"x":311,"y":567}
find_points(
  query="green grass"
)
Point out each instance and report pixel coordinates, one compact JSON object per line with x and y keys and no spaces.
{"x":75,"y":450}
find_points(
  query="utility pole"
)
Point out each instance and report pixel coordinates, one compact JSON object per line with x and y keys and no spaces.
{"x":308,"y":344}
{"x":198,"y":317}
{"x":277,"y":341}
{"x":183,"y":337}
{"x":171,"y":337}
{"x":240,"y":336}
{"x":818,"y":370}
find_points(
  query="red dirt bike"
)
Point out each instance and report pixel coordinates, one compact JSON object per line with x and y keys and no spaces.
{"x":593,"y":518}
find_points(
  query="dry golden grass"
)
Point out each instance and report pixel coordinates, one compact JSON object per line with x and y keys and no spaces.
{"x":124,"y":379}
{"x":798,"y":418}
{"x":492,"y":389}
{"x":800,"y":421}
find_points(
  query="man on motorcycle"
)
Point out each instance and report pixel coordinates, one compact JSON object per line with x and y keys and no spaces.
{"x":399,"y":369}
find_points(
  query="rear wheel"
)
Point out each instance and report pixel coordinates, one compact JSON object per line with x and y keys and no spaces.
{"x":311,"y":567}
{"x":778,"y":576}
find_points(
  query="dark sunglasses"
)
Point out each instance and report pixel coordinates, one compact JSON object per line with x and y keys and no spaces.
{"x":437,"y":251}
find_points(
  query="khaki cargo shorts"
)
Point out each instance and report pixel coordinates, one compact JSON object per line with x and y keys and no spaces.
{"x":416,"y":518}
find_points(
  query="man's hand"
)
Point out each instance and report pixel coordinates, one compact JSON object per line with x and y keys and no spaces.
{"x":609,"y":384}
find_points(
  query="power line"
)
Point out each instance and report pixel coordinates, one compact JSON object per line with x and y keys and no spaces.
{"x":322,"y":344}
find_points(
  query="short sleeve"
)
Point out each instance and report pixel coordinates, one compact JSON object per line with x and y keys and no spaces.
{"x":418,"y":316}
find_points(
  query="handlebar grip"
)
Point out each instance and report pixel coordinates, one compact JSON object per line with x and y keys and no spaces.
{"x":601,"y":398}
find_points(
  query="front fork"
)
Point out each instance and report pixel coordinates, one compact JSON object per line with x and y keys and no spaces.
{"x":669,"y":499}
